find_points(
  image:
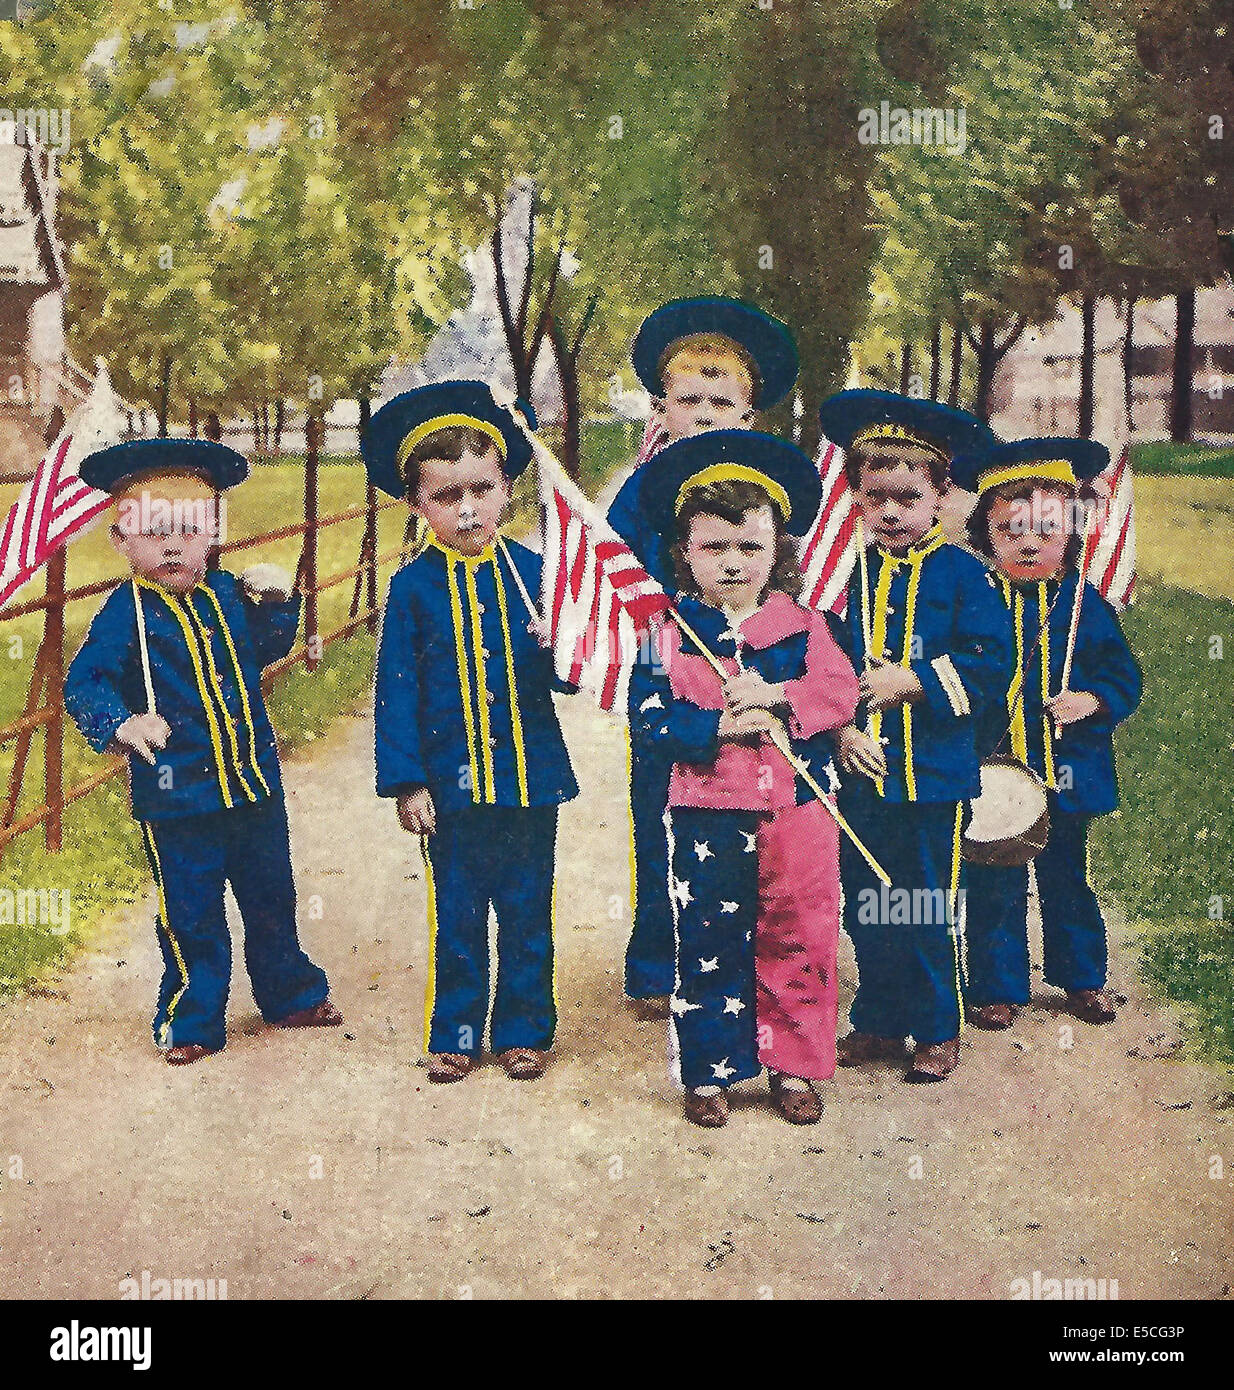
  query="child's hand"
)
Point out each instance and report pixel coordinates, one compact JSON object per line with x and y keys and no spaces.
{"x":745,"y":728}
{"x":860,"y":753}
{"x":416,"y":812}
{"x":747,"y":690}
{"x":268,"y":583}
{"x":143,"y":734}
{"x":1070,"y":706}
{"x":885,"y":684}
{"x":539,"y":630}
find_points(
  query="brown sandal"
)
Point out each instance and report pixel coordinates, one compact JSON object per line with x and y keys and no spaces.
{"x":523,"y":1063}
{"x":444,"y":1067}
{"x":709,"y":1111}
{"x":993,"y":1017}
{"x":858,"y":1048}
{"x":185,"y":1054}
{"x":935,"y":1062}
{"x":797,"y":1107}
{"x":323,"y":1015}
{"x":1092,"y":1005}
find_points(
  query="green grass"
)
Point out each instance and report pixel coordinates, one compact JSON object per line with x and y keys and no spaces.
{"x":1164,"y":853}
{"x":1194,"y":460}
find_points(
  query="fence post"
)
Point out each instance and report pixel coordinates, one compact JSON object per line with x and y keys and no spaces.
{"x":53,"y":685}
{"x":312,"y":440}
{"x":370,"y":527}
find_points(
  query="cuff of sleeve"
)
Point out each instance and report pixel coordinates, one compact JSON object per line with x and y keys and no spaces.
{"x":944,"y":690}
{"x":697,"y":733}
{"x":101,"y":729}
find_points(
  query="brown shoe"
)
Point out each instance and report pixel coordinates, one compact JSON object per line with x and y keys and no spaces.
{"x":934,"y":1063}
{"x":523,"y":1063}
{"x":323,"y":1015}
{"x":709,"y":1111}
{"x":1092,"y":1005}
{"x":858,"y":1048}
{"x":993,"y":1017}
{"x":444,"y":1067}
{"x":187,"y":1053}
{"x":797,"y":1107}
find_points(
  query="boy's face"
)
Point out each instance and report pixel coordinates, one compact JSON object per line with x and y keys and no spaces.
{"x":463,"y":500}
{"x":167,"y":540}
{"x":898,"y":504}
{"x":1028,"y":536}
{"x":732,"y":564}
{"x":710,"y":399}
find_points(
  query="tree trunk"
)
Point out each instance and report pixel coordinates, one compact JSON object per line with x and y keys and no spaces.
{"x":936,"y":353}
{"x":1084,"y":407}
{"x":164,"y":394}
{"x":567,"y":372}
{"x":906,"y":367}
{"x":1129,"y":365}
{"x":193,"y":416}
{"x":1184,"y":347}
{"x":957,"y":361}
{"x":213,"y":428}
{"x":366,"y":415}
{"x":987,"y":361}
{"x":280,"y":419}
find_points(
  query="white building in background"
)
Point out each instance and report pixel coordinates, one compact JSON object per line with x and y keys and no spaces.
{"x":33,"y":365}
{"x":1037,"y":386}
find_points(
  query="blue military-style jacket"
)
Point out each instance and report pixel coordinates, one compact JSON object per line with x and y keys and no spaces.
{"x":464,"y":690}
{"x":207,"y":649}
{"x":938,"y":611}
{"x":1079,"y":766}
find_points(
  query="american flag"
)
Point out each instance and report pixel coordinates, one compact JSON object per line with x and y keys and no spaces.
{"x":598,"y":601}
{"x":829,"y":550}
{"x":55,"y":504}
{"x":654,"y":439}
{"x":1111,"y":541}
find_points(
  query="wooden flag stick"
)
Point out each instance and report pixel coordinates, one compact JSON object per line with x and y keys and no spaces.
{"x":518,"y":579}
{"x":1074,"y":628}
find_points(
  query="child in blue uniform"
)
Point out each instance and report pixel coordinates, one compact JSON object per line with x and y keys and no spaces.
{"x":468,"y":742}
{"x":1026,"y":521}
{"x":931,"y":638}
{"x":709,"y":363}
{"x":170,"y":673}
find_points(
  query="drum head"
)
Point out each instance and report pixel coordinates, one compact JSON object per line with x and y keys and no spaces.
{"x":1010,"y":819}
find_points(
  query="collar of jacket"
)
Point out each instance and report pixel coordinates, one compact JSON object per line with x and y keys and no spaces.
{"x":932,"y":539}
{"x":168,"y":594}
{"x":488,"y":553}
{"x":778,"y":618}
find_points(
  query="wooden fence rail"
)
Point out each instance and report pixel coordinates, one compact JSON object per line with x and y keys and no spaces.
{"x":44,"y":705}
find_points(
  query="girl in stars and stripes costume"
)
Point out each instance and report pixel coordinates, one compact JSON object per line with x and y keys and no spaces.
{"x":751,"y":853}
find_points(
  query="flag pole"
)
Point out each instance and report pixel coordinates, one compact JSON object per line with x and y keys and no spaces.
{"x":1074,"y":626}
{"x":779,"y":739}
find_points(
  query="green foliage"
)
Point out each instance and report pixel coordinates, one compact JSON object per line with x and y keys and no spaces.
{"x":1192,"y":460}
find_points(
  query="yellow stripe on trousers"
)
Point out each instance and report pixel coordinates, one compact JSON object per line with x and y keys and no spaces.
{"x":147,"y":834}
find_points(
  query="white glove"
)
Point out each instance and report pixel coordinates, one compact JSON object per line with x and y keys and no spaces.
{"x":268,"y":583}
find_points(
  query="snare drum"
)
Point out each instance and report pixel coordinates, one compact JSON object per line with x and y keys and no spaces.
{"x":1010,"y":820}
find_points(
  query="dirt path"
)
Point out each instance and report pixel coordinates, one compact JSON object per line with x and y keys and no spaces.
{"x":323,"y":1165}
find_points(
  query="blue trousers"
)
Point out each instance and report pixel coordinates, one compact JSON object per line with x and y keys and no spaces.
{"x":499,"y":855}
{"x":904,"y":937}
{"x":1072,"y":928}
{"x":193,"y":859}
{"x":714,"y":888}
{"x":649,"y":954}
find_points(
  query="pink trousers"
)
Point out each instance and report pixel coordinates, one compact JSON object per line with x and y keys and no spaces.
{"x":796,"y":940}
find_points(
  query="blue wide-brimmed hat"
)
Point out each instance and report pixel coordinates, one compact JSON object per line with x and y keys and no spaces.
{"x":1056,"y":460}
{"x":788,"y":475}
{"x":768,"y":342}
{"x":404,"y":421}
{"x":865,"y":416}
{"x":109,"y":468}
